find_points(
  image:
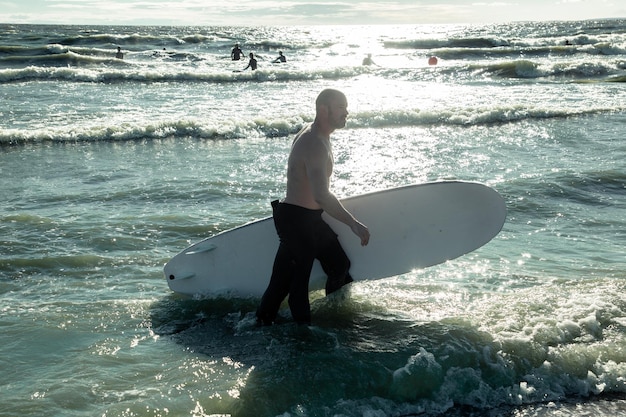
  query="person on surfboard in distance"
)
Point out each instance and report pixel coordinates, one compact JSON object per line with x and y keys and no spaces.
{"x":304,"y":236}
{"x":251,"y":63}
{"x":281,"y":58}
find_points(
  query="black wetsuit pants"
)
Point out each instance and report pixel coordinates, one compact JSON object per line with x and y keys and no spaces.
{"x":304,"y":237}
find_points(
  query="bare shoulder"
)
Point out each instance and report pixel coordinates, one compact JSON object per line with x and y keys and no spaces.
{"x":307,"y":145}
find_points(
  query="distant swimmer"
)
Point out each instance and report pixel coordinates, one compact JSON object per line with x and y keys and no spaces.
{"x":368,"y":60}
{"x":281,"y":58}
{"x":251,"y":63}
{"x":119,"y":54}
{"x":236,"y":53}
{"x":432,"y":60}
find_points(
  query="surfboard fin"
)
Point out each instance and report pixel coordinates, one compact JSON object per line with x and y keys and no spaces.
{"x":201,"y":248}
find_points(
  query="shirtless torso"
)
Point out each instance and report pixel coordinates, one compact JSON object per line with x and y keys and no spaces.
{"x":310,"y":166}
{"x":309,"y":152}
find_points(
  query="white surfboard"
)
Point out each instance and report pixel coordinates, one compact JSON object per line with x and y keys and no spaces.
{"x":411,"y":227}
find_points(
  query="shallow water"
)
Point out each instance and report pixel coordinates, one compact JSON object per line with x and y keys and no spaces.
{"x":106,"y":178}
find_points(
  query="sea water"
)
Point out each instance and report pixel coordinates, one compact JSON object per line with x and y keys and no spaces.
{"x":111,"y":166}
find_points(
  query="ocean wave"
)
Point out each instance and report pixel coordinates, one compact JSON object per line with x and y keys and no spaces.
{"x":140,"y":38}
{"x":601,"y":48}
{"x":617,"y":79}
{"x":557,"y":346}
{"x":474,"y":116}
{"x":110,"y":38}
{"x":524,"y":68}
{"x":598,"y":188}
{"x":262,"y":128}
{"x":72,"y":67}
{"x":602,"y":181}
{"x":61,"y":59}
{"x":151,"y":131}
{"x":111,"y":70}
{"x":434,"y":43}
{"x":466,"y":39}
{"x":162,"y":54}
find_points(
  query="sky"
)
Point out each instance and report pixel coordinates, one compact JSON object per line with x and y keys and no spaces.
{"x":300,"y":12}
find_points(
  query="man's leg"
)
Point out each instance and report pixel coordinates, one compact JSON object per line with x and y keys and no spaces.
{"x":278,"y":287}
{"x":299,"y":291}
{"x":333,"y":260}
{"x":292,"y":265}
{"x":280,"y":280}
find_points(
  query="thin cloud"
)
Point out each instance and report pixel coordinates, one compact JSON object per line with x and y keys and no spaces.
{"x":298,"y":12}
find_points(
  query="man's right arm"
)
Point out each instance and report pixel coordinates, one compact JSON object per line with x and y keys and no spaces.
{"x":318,"y":178}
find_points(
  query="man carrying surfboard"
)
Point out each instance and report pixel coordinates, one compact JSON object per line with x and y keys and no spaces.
{"x":304,"y":236}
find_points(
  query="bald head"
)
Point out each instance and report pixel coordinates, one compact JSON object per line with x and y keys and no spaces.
{"x":328,"y":97}
{"x":331,"y":110}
